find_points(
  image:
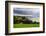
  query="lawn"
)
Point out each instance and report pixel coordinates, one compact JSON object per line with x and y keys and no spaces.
{"x":25,"y":25}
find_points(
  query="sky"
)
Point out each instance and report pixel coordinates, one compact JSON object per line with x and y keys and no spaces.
{"x":35,"y":12}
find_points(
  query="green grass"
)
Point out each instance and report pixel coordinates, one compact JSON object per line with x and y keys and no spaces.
{"x":25,"y":25}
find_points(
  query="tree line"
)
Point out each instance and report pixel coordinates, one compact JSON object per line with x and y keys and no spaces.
{"x":23,"y":20}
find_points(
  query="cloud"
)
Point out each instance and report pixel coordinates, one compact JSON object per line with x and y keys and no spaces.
{"x":35,"y":12}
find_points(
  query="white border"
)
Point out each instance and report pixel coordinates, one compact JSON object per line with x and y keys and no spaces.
{"x":15,"y":30}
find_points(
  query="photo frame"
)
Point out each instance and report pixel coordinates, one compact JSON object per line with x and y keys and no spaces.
{"x":24,"y":17}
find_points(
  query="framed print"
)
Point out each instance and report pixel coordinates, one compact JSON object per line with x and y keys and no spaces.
{"x":24,"y":17}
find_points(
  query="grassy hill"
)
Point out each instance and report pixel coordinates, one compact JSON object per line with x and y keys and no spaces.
{"x":25,"y":25}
